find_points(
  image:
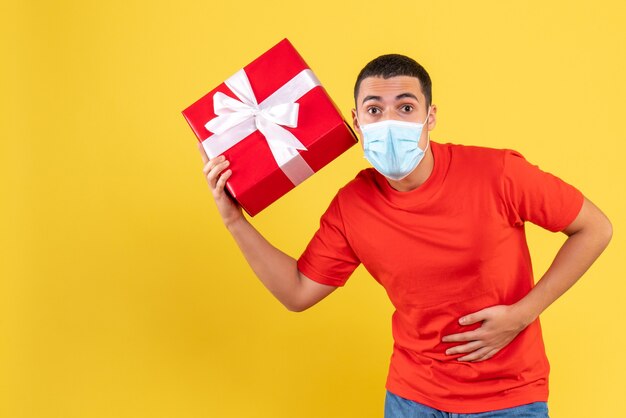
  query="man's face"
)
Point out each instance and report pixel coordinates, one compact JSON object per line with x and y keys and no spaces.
{"x":398,"y":98}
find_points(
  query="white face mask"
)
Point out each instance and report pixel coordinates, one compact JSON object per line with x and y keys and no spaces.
{"x":391,"y":146}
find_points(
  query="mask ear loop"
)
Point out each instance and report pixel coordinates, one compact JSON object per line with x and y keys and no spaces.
{"x":427,"y":131}
{"x":361,"y":128}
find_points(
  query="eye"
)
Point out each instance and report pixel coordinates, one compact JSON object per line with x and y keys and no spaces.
{"x":406,"y":108}
{"x":373,"y":110}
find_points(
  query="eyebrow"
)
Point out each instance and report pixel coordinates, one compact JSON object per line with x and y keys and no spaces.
{"x":404,"y":95}
{"x":398,"y":97}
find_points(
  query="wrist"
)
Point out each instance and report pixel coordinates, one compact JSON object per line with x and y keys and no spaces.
{"x":524,"y":315}
{"x":234,"y":223}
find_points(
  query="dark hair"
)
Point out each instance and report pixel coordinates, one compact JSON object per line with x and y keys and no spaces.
{"x":393,"y":65}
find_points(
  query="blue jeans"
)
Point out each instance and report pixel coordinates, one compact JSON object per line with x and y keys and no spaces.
{"x":397,"y":407}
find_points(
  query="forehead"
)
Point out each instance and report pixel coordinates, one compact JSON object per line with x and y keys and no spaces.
{"x":390,"y":88}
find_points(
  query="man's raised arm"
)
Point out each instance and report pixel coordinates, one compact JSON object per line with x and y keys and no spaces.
{"x":276,"y":270}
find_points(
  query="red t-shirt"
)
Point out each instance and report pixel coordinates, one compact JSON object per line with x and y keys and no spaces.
{"x":453,"y":246}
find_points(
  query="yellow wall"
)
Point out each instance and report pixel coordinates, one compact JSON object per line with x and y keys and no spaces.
{"x":121,"y":294}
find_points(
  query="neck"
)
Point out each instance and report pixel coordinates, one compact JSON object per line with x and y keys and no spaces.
{"x":418,"y":176}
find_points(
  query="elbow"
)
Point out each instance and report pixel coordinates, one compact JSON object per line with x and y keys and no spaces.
{"x":295,"y":306}
{"x":603,"y":232}
{"x":598,"y":230}
{"x":298,"y":302}
{"x":607,"y":231}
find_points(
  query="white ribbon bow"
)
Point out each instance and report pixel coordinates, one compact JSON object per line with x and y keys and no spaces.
{"x":237,"y":119}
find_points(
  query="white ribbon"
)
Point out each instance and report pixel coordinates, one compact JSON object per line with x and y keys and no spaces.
{"x":237,"y":119}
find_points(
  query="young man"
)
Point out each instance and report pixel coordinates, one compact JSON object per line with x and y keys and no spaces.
{"x":441,"y":227}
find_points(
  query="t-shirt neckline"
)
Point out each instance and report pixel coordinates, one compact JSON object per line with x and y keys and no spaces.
{"x":427,"y":189}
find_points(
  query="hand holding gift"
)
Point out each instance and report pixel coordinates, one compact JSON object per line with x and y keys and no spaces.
{"x":216,"y":172}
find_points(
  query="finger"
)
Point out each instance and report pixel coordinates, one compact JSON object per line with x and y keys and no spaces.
{"x":221,"y":182}
{"x":489,"y":354}
{"x":463,"y":336}
{"x":209,"y":166}
{"x":215,"y":172}
{"x":205,"y":158}
{"x":476,"y":354}
{"x":474,"y":317}
{"x":212,"y":163}
{"x":465,"y":348}
{"x":486,"y":356}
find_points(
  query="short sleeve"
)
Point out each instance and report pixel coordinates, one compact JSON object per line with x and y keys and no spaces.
{"x":533,"y":195}
{"x":328,"y":258}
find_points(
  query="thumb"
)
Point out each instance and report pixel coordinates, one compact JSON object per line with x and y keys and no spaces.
{"x":474,"y":317}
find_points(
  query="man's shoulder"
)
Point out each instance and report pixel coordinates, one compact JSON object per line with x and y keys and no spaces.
{"x":478,"y":156}
{"x":352,"y":194}
{"x":363,"y":184}
{"x":475,"y":150}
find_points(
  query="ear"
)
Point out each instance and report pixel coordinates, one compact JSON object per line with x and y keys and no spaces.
{"x":355,"y":122}
{"x":432,"y":118}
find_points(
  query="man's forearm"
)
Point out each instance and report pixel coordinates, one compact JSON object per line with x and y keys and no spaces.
{"x":576,"y":255}
{"x":277,"y":270}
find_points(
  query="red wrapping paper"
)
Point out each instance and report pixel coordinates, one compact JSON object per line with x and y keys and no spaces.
{"x":257,"y":180}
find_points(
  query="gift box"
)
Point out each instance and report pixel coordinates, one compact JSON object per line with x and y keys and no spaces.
{"x":274,"y":122}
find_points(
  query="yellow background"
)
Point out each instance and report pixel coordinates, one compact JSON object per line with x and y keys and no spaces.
{"x":122,"y":295}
